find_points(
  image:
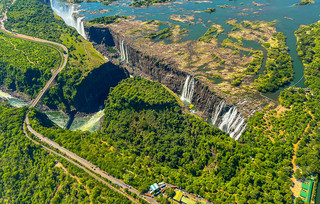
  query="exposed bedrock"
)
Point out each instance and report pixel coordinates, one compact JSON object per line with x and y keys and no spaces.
{"x":230,"y":118}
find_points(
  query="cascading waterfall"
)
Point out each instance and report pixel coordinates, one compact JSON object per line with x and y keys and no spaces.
{"x":69,"y":14}
{"x":188,"y":89}
{"x":127,"y":56}
{"x":229,"y":121}
{"x":123,"y":52}
{"x":217,"y":112}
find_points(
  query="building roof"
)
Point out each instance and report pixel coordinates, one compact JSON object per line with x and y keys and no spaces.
{"x":303,"y":194}
{"x":154,"y":187}
{"x":178,"y":196}
{"x":305,"y":186}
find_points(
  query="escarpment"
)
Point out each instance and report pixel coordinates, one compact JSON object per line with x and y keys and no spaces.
{"x":223,"y":110}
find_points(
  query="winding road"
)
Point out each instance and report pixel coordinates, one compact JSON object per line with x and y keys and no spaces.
{"x":80,"y":162}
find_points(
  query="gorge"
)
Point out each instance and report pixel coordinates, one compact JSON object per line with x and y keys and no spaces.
{"x":224,"y":114}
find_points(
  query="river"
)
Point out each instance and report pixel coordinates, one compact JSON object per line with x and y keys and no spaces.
{"x":288,"y":17}
{"x":88,"y":123}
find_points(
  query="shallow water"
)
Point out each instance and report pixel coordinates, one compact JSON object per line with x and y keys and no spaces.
{"x":288,"y":17}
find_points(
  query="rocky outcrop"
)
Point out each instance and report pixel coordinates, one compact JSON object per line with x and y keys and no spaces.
{"x":150,"y":67}
{"x":222,"y":109}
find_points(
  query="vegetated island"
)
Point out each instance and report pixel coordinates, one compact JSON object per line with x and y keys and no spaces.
{"x":304,"y":2}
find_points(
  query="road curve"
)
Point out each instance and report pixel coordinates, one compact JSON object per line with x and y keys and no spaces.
{"x":69,"y":160}
{"x":85,"y":165}
{"x":64,"y":56}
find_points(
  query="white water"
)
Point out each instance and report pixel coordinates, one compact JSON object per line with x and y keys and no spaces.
{"x":188,"y":89}
{"x":58,"y":118}
{"x":93,"y":123}
{"x":12,"y":100}
{"x":69,"y":14}
{"x":230,"y":121}
{"x":216,"y":113}
{"x":123,"y":51}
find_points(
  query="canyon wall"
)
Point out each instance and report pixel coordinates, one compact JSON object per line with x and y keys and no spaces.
{"x":209,"y":105}
{"x":141,"y":64}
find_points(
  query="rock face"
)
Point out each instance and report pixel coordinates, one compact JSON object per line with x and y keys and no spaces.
{"x":141,"y":64}
{"x":95,"y":87}
{"x":137,"y":63}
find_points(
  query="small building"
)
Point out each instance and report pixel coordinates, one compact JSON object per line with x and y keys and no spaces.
{"x":154,"y":188}
{"x":305,"y":186}
{"x":303,"y":194}
{"x":178,"y":196}
{"x":162,"y":185}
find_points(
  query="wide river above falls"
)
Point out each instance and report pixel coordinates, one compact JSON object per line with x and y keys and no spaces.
{"x":288,"y":16}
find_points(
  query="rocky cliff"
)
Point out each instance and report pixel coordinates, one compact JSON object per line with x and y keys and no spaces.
{"x":227,"y":113}
{"x":150,"y":67}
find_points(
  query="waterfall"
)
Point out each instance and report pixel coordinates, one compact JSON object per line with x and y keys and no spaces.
{"x":229,"y":121}
{"x":124,"y":57}
{"x":216,"y":113}
{"x":127,"y":56}
{"x":188,"y":89}
{"x":69,"y":13}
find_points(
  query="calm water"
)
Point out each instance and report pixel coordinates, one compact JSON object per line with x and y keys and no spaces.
{"x":288,"y":18}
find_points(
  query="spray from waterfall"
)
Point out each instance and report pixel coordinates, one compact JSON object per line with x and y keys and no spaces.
{"x":70,"y":15}
{"x":188,"y":89}
{"x":228,"y":120}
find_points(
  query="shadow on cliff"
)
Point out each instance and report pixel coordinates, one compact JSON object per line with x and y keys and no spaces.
{"x":94,"y":89}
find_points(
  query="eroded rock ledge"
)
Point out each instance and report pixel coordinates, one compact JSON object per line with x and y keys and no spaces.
{"x":160,"y":67}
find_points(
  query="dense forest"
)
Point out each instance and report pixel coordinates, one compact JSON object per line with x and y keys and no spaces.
{"x":32,"y":17}
{"x":25,"y":65}
{"x":308,"y":47}
{"x":29,"y":174}
{"x":279,"y":70}
{"x":146,"y":136}
{"x":150,"y":139}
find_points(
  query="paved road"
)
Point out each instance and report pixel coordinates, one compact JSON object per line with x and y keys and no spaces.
{"x":84,"y":162}
{"x":85,"y":165}
{"x":64,"y":56}
{"x":69,"y":160}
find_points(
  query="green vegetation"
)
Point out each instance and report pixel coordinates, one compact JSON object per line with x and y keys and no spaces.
{"x":140,"y":3}
{"x":308,"y":47}
{"x":211,"y":33}
{"x":34,"y":18}
{"x":255,"y":65}
{"x":304,"y":2}
{"x":25,"y":65}
{"x":279,"y":70}
{"x":145,"y":133}
{"x":107,"y":19}
{"x":164,"y":33}
{"x":210,"y":10}
{"x":4,"y":4}
{"x":183,"y":31}
{"x":29,"y":174}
